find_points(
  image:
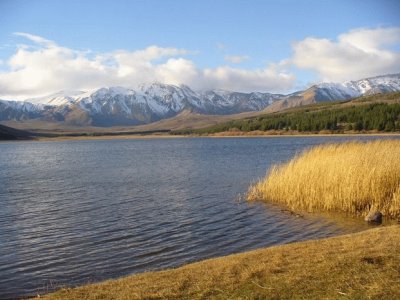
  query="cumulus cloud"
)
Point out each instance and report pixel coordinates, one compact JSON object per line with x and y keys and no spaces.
{"x":356,"y":54}
{"x":236,"y":59}
{"x":268,"y":79}
{"x":47,"y":67}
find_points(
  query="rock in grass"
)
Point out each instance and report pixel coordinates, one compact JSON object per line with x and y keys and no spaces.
{"x":374,"y":217}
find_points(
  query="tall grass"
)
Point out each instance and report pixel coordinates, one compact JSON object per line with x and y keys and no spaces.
{"x":353,"y":177}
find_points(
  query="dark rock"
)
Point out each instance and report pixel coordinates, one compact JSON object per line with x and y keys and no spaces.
{"x":374,"y":217}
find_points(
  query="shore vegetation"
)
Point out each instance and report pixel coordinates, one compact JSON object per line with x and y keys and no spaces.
{"x":363,"y":265}
{"x":352,"y":177}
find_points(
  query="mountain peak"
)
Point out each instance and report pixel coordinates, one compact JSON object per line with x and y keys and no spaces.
{"x":156,"y":85}
{"x":59,"y":98}
{"x":328,"y":91}
{"x":112,"y":91}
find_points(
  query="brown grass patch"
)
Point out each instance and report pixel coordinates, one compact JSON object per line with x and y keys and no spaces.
{"x":353,"y":177}
{"x":357,"y":266}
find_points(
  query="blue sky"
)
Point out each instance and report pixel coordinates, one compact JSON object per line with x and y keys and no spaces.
{"x":277,"y":46}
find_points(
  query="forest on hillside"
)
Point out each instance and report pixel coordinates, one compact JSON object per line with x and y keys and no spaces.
{"x":383,"y":117}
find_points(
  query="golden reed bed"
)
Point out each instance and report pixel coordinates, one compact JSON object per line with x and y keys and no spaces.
{"x":353,"y":177}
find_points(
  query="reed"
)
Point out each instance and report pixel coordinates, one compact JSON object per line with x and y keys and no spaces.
{"x":353,"y":177}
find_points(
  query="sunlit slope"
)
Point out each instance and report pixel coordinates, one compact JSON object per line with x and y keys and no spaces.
{"x":377,"y":113}
{"x":357,"y":266}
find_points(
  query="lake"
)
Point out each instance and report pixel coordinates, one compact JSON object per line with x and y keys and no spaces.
{"x":74,"y":212}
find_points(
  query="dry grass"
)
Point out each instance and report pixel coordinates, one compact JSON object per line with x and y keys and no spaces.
{"x":184,"y":120}
{"x":364,"y":265}
{"x":353,"y":177}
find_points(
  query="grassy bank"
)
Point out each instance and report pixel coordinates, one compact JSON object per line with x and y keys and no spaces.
{"x":364,"y":265}
{"x":350,"y":177}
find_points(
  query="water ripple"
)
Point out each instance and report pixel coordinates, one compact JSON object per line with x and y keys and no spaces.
{"x":84,"y":211}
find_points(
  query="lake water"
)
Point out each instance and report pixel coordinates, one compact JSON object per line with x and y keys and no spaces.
{"x":76,"y":212}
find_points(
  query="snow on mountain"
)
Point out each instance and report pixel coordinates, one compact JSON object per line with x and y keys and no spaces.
{"x":151,"y":102}
{"x":19,"y":110}
{"x":350,"y":89}
{"x":156,"y":101}
{"x":338,"y":91}
{"x":379,"y":84}
{"x":60,"y":98}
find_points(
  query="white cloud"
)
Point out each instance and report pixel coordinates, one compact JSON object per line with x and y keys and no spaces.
{"x":177,"y":71}
{"x":48,"y":67}
{"x":356,"y":54}
{"x":268,"y":79}
{"x":35,"y":38}
{"x":236,"y":59}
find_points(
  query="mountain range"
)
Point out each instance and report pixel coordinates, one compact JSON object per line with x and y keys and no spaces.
{"x":109,"y":106}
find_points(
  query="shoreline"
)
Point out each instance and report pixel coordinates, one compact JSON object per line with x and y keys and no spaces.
{"x":360,"y":265}
{"x":173,"y":136}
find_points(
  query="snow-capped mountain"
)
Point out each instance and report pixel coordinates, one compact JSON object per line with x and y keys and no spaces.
{"x":19,"y":110}
{"x":351,"y":89}
{"x":339,"y":91}
{"x":60,"y":98}
{"x":148,"y":103}
{"x":121,"y":106}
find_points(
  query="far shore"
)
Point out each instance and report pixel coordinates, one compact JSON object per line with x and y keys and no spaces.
{"x":106,"y":137}
{"x":78,"y":137}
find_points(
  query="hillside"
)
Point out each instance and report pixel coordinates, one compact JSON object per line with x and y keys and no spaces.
{"x":184,"y":120}
{"x":8,"y":133}
{"x":338,"y":91}
{"x":380,"y":113}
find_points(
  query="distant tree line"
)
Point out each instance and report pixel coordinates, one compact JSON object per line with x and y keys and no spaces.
{"x":376,"y":116}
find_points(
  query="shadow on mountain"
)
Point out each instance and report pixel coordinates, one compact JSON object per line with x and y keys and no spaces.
{"x":9,"y":133}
